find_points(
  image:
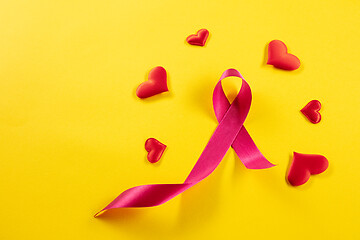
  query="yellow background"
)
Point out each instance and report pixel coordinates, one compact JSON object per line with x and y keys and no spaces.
{"x":73,"y":131}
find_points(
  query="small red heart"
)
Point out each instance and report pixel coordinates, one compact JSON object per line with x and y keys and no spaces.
{"x":280,"y":58}
{"x":311,"y":111}
{"x":155,"y":149}
{"x":199,"y":38}
{"x":156,"y":83}
{"x":304,"y":165}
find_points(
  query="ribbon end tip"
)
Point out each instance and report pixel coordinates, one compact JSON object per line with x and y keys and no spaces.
{"x":98,"y":213}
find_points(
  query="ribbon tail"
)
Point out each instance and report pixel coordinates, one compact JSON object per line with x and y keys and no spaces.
{"x":146,"y":196}
{"x":248,"y":153}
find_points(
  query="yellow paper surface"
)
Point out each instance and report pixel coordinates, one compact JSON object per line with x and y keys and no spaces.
{"x":73,"y":130}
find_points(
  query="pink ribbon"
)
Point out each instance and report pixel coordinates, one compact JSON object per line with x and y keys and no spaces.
{"x":230,"y":132}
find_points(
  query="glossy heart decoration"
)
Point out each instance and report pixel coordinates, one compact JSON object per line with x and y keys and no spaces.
{"x":280,"y":58}
{"x":199,"y":38}
{"x":156,"y":83}
{"x":311,"y":111}
{"x":304,"y":165}
{"x":155,"y":149}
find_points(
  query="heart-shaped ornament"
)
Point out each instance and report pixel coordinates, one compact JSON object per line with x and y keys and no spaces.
{"x":311,"y":111}
{"x":155,"y":149}
{"x":199,"y":38}
{"x":304,"y":165}
{"x":156,"y":83}
{"x":280,"y":58}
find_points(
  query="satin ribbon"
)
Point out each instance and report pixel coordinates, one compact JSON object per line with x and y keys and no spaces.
{"x":230,"y":132}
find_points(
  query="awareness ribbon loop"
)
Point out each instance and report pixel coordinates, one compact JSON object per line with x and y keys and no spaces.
{"x":229,"y":133}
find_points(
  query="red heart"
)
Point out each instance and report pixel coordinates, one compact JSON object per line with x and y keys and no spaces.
{"x":304,"y":165}
{"x":155,"y":149}
{"x":280,"y":58}
{"x":311,"y":111}
{"x":199,"y":38}
{"x":156,"y":84}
